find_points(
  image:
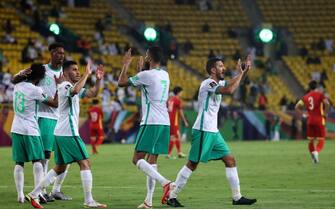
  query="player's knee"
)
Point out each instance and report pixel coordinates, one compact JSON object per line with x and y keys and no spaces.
{"x":192,"y":165}
{"x":229,"y":161}
{"x":37,"y":161}
{"x":84,"y":164}
{"x":59,"y":169}
{"x":20,"y":163}
{"x":47,"y":154}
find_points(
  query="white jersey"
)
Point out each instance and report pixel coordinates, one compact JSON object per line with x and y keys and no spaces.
{"x":26,"y":98}
{"x":209,"y":105}
{"x":49,"y":87}
{"x":154,"y":85}
{"x":68,"y":107}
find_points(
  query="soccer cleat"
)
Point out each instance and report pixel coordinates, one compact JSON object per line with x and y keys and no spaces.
{"x":33,"y":201}
{"x":145,"y":205}
{"x":315,"y":157}
{"x":173,"y":202}
{"x":94,"y":204}
{"x":181,"y":155}
{"x":42,"y":199}
{"x":48,"y":197}
{"x":244,"y":201}
{"x":60,"y":196}
{"x":170,"y":157}
{"x":166,"y":191}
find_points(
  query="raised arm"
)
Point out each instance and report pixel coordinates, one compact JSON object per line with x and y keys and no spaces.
{"x":123,"y":78}
{"x":299,"y":107}
{"x":81,"y":83}
{"x":20,"y":76}
{"x":93,"y":92}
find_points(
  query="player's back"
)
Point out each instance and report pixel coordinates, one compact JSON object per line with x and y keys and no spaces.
{"x":314,"y":105}
{"x":174,"y":104}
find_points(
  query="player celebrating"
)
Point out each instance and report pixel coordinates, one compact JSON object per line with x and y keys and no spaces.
{"x":26,"y":139}
{"x":207,"y":142}
{"x":175,"y":110}
{"x":96,"y":129}
{"x":153,"y":136}
{"x":69,"y":147}
{"x":317,"y":106}
{"x":48,"y":115}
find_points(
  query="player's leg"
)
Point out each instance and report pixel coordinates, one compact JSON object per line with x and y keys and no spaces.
{"x":171,"y":145}
{"x":56,"y":189}
{"x":151,"y":183}
{"x":87,"y":181}
{"x":321,"y":135}
{"x":100,"y":137}
{"x":19,"y":180}
{"x":93,"y":140}
{"x":178,"y":145}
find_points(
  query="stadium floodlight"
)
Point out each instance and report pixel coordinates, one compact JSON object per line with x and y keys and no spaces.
{"x":150,"y":34}
{"x":54,"y":28}
{"x":266,"y":35}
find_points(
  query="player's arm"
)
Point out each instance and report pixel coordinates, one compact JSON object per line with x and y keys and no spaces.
{"x":21,"y":76}
{"x":81,"y":83}
{"x":52,"y":101}
{"x":233,"y":84}
{"x":326,"y":105}
{"x":181,"y":112}
{"x":299,"y":107}
{"x":123,"y":78}
{"x":93,"y":92}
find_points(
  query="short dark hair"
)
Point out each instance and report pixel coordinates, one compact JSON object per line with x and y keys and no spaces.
{"x":211,"y":63}
{"x":68,"y":63}
{"x":177,"y":90}
{"x":55,"y":46}
{"x":312,"y":85}
{"x":37,"y":72}
{"x":156,"y":54}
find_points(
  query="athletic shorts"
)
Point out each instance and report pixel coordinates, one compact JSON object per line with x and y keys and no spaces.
{"x":153,"y":139}
{"x":47,"y":128}
{"x":96,"y":132}
{"x":69,"y":149}
{"x":174,"y":131}
{"x":315,"y":130}
{"x":206,"y":146}
{"x":27,"y":148}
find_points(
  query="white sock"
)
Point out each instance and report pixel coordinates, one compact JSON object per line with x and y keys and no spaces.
{"x":47,"y":180}
{"x":59,"y":180}
{"x":151,"y":183}
{"x":45,"y":164}
{"x":38,"y":173}
{"x":86,"y":179}
{"x":182,"y":177}
{"x":19,"y":180}
{"x":150,"y":171}
{"x":234,"y":182}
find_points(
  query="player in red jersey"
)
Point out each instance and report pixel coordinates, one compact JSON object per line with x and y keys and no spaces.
{"x":175,"y":111}
{"x":317,"y":106}
{"x":95,"y":115}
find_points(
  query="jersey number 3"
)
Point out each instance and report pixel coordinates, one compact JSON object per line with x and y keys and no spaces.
{"x":310,"y":103}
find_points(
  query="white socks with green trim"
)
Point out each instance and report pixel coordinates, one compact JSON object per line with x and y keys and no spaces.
{"x":182,"y":177}
{"x":151,"y":183}
{"x":19,"y":180}
{"x":59,"y":180}
{"x":87,"y":181}
{"x":150,"y":171}
{"x":234,"y":182}
{"x":48,"y":179}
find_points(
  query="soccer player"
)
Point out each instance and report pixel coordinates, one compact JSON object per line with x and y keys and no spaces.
{"x":26,"y":138}
{"x":69,"y":147}
{"x":317,"y":106}
{"x":153,"y":136}
{"x":207,"y":142}
{"x":95,"y":115}
{"x":175,"y":110}
{"x":48,"y":115}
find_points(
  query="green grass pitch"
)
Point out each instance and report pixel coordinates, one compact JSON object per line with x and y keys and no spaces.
{"x":279,"y":174}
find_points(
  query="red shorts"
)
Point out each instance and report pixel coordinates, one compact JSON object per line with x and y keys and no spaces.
{"x":314,"y":130}
{"x":96,"y":132}
{"x":174,"y":131}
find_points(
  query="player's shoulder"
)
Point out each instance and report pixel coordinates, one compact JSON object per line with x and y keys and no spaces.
{"x":65,"y":85}
{"x":209,"y":83}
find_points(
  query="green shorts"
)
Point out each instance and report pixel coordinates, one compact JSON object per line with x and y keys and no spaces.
{"x":47,"y":127}
{"x":27,"y":148}
{"x":153,"y":139}
{"x":69,"y":149}
{"x":207,"y":146}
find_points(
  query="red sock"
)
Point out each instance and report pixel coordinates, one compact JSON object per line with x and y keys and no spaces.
{"x":311,"y":146}
{"x":171,"y":146}
{"x":178,"y":145}
{"x":319,"y":146}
